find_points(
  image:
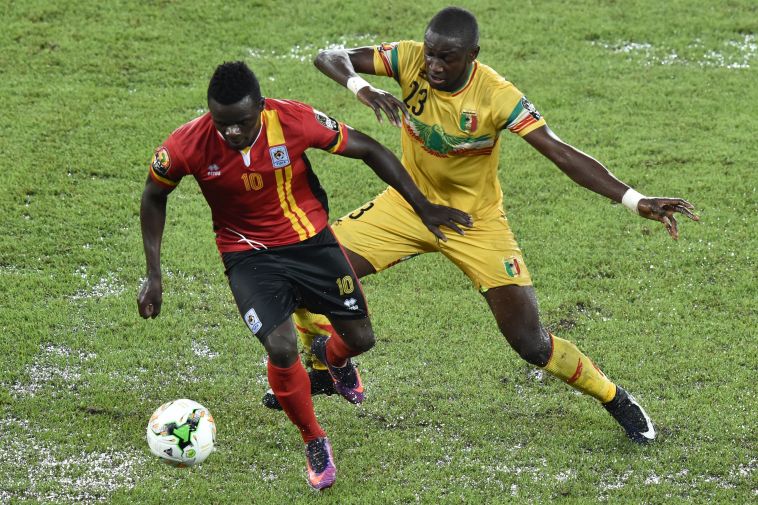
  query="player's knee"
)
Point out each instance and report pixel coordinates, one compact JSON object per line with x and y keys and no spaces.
{"x":537,"y":355}
{"x":281,"y":353}
{"x":364,"y":342}
{"x":533,"y":346}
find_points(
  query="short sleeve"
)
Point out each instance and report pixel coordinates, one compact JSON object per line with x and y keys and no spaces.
{"x":323,"y":131}
{"x":166,"y":168}
{"x":514,"y":112}
{"x":386,"y":60}
{"x":394,"y":59}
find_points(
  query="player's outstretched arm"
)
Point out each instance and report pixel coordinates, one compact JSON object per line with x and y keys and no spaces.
{"x":390,"y":170}
{"x":343,"y":65}
{"x":152,"y":221}
{"x":591,"y":174}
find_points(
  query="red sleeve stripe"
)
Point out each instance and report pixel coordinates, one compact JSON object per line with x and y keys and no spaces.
{"x":528,"y":120}
{"x":385,"y":61}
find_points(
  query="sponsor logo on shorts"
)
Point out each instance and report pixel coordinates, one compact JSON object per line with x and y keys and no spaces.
{"x":252,"y":320}
{"x":214,"y":170}
{"x":279,"y":156}
{"x":161,"y":161}
{"x":351,"y":304}
{"x":512,"y":266}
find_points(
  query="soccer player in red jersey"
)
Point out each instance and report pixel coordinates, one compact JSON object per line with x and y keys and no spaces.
{"x":270,"y":217}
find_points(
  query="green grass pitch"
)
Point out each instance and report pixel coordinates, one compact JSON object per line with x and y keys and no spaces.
{"x":664,"y":93}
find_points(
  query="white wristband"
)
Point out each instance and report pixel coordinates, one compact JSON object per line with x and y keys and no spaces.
{"x":356,"y":83}
{"x":631,"y":199}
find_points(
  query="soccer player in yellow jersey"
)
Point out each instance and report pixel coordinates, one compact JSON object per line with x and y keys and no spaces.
{"x":452,"y":111}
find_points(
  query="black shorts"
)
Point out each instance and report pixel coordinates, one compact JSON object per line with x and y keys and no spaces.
{"x":269,"y":284}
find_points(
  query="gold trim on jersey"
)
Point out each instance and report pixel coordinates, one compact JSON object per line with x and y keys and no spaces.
{"x":161,"y":179}
{"x":297,"y":217}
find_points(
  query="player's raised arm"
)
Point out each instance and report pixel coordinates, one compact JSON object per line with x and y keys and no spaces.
{"x":343,"y":66}
{"x":388,"y":168}
{"x":152,"y":220}
{"x":591,"y":174}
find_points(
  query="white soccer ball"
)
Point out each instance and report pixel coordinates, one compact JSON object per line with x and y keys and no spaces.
{"x":181,"y":433}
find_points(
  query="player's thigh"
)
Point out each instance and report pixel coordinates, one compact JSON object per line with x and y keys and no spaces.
{"x":264,"y":296}
{"x":384,"y":231}
{"x":488,"y":254}
{"x":515,"y":310}
{"x":324,"y":279}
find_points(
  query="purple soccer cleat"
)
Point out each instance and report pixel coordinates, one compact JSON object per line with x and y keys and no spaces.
{"x":321,"y":470}
{"x":347,"y":380}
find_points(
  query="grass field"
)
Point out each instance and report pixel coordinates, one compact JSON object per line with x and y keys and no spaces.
{"x":664,"y":93}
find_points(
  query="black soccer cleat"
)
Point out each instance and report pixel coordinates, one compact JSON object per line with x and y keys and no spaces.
{"x":631,"y":416}
{"x":321,"y":384}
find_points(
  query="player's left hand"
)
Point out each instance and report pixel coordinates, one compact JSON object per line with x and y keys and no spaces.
{"x":434,"y":216}
{"x":663,"y":210}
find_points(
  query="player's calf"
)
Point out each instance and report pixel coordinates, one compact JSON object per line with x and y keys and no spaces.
{"x":321,"y":384}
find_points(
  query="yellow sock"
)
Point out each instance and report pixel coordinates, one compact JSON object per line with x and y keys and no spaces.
{"x":310,"y":325}
{"x":575,"y":369}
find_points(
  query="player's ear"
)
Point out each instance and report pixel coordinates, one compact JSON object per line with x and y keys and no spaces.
{"x":474,"y":53}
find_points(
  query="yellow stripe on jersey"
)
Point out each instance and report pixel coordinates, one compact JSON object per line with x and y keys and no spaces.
{"x":274,"y":132}
{"x":162,"y":180}
{"x":339,"y":142}
{"x":299,"y":220}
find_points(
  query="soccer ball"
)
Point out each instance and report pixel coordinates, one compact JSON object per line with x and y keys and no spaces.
{"x":181,"y":433}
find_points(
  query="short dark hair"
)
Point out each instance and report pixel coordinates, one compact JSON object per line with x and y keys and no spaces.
{"x":456,"y":23}
{"x":232,"y":81}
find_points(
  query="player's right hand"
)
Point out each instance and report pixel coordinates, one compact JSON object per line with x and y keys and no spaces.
{"x":150,"y":298}
{"x":382,"y":101}
{"x":434,"y":216}
{"x":663,"y":210}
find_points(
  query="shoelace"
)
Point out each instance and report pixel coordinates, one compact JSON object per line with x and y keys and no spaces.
{"x":317,"y":455}
{"x":346,"y":374}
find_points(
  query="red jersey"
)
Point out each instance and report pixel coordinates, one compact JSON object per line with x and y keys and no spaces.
{"x":266,"y":195}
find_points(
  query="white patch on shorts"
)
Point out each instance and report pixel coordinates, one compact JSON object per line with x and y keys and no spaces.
{"x":252,"y":320}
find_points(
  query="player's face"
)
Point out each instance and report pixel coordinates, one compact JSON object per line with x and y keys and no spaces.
{"x":447,"y":61}
{"x":239,"y":122}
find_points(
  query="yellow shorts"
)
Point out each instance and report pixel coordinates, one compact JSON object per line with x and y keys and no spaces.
{"x":386,"y":231}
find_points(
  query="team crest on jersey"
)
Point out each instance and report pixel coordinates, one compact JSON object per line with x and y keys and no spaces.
{"x":252,"y":320}
{"x":469,"y":121}
{"x":279,"y":156}
{"x":326,"y":121}
{"x":161,"y":161}
{"x":530,"y":108}
{"x":512,"y":266}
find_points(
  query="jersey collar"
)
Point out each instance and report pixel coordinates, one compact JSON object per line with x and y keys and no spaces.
{"x":246,"y":151}
{"x":472,"y":72}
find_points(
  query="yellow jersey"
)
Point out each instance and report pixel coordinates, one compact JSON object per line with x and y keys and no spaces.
{"x":450,"y":142}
